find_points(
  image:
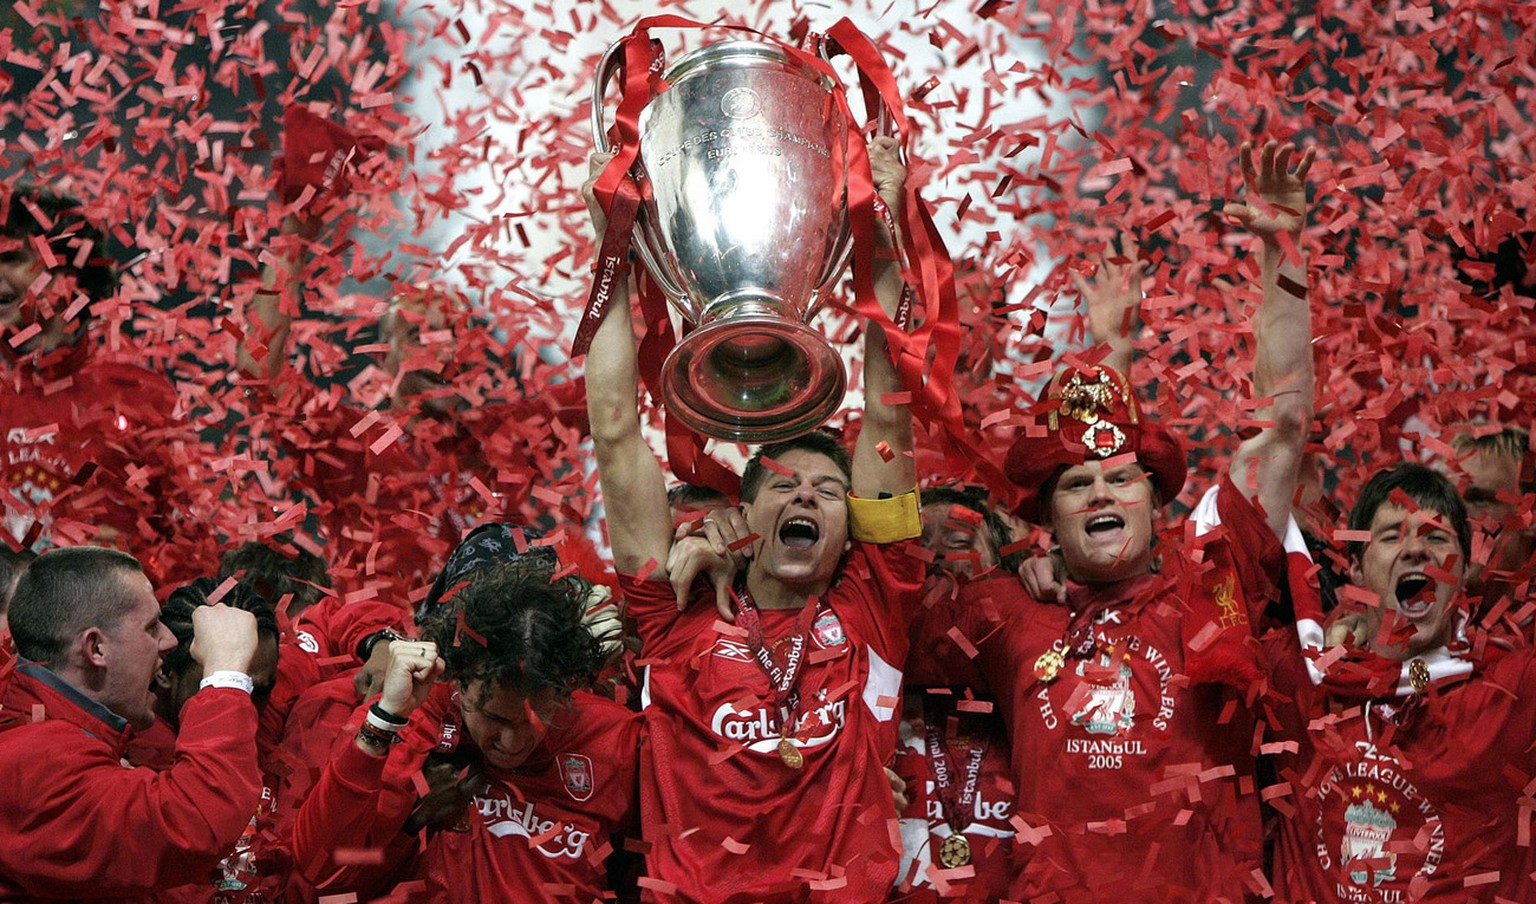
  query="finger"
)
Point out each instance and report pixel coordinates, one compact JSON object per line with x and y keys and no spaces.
{"x":1283,"y":159}
{"x":723,"y":600}
{"x":1061,"y":593}
{"x":1245,"y":161}
{"x":718,"y":540}
{"x":1267,"y":159}
{"x":1304,"y":165}
{"x":724,"y":605}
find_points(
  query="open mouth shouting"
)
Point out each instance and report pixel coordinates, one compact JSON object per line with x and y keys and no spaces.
{"x":799,"y":533}
{"x":1105,"y":527}
{"x":1415,"y":593}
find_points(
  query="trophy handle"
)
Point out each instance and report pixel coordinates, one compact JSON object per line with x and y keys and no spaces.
{"x":885,"y":126}
{"x":642,"y":238}
{"x":605,"y":70}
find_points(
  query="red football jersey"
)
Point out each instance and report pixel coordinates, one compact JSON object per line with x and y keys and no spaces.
{"x":725,"y":817}
{"x":541,"y":832}
{"x":1428,"y":801}
{"x":1133,"y":784}
{"x":972,"y":740}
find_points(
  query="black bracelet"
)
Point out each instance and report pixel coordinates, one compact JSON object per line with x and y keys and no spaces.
{"x":384,"y":715}
{"x":373,"y":737}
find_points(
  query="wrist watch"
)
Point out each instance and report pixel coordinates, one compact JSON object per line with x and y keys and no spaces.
{"x":366,"y":645}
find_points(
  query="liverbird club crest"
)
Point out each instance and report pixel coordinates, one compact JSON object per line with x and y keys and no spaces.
{"x":576,"y":770}
{"x":1367,"y":831}
{"x":1110,"y":708}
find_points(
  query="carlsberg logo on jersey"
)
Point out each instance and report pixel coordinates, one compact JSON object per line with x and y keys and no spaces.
{"x":758,"y":729}
{"x":504,"y":816}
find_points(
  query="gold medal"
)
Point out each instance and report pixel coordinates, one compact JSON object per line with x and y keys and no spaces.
{"x":790,"y":754}
{"x":955,"y":851}
{"x":1418,"y":675}
{"x":1049,"y":665}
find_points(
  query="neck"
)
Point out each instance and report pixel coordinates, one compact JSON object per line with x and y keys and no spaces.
{"x":770,"y":593}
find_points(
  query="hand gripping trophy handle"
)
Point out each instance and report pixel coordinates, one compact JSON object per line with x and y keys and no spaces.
{"x":743,"y":224}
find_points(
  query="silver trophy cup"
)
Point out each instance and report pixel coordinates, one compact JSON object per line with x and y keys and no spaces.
{"x":743,"y":224}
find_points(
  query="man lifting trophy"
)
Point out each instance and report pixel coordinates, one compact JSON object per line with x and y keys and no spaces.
{"x":736,"y":165}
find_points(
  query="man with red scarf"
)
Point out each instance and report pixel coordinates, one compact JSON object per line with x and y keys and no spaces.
{"x":1132,"y":742}
{"x":1405,"y":765}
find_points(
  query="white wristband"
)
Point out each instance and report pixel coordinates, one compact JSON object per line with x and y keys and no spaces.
{"x":381,"y":724}
{"x":229,"y":678}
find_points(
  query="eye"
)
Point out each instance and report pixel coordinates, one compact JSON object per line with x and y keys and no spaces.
{"x":829,"y":491}
{"x":783,"y":486}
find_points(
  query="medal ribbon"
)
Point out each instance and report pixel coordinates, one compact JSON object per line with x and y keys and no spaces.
{"x":957,"y":805}
{"x":783,"y":678}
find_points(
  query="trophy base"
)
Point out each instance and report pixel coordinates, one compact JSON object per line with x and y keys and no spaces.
{"x":753,"y":379}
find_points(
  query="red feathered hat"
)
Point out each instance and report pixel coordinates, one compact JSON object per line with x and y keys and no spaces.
{"x":1090,"y":413}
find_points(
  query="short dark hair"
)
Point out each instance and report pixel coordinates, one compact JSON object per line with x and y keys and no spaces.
{"x":176,"y":615}
{"x":12,"y":563}
{"x":65,"y":591}
{"x":517,"y":625}
{"x":997,"y":533}
{"x":66,"y":228}
{"x":694,"y":495}
{"x":818,"y":441}
{"x":277,"y":568}
{"x":1425,"y":486}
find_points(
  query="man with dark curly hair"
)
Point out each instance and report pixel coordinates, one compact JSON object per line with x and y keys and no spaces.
{"x":530,"y":774}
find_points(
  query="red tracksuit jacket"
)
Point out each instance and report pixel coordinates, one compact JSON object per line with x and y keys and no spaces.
{"x":75,"y":822}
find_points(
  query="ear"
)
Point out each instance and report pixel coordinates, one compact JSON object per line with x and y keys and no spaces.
{"x":90,"y":647}
{"x":163,"y":678}
{"x":1356,"y":576}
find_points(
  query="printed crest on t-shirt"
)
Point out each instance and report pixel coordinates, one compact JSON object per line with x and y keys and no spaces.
{"x":1103,"y":706}
{"x":1376,"y":832}
{"x":828,"y":630}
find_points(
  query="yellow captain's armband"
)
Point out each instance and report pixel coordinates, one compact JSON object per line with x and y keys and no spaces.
{"x":885,"y":520}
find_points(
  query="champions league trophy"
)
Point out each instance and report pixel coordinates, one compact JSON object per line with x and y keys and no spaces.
{"x":743,"y":224}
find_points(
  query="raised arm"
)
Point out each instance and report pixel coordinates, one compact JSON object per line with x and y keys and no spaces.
{"x":1269,"y":462}
{"x":269,"y":317}
{"x":634,"y":489}
{"x":889,"y":468}
{"x":1113,"y":302}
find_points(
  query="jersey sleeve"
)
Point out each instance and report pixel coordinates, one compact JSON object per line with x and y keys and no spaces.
{"x":652,"y":606}
{"x":883,"y":582}
{"x":89,"y":827}
{"x":359,"y":805}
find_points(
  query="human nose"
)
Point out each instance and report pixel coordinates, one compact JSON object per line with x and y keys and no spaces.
{"x":167,"y":640}
{"x":1414,"y":546}
{"x":1098,"y":491}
